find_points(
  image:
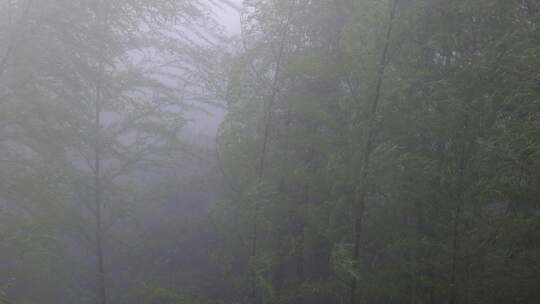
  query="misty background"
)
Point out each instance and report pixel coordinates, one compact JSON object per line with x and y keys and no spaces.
{"x":269,"y":151}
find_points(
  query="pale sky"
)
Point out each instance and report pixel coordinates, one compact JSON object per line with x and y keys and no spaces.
{"x":208,"y":123}
{"x":230,"y":19}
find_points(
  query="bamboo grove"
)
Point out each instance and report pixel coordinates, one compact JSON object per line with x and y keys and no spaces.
{"x":367,"y":152}
{"x":384,"y":152}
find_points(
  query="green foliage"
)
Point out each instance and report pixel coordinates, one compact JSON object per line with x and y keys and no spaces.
{"x":372,"y":152}
{"x":452,"y":161}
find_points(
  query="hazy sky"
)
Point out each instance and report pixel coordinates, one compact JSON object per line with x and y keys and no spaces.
{"x":230,"y":19}
{"x":208,"y":123}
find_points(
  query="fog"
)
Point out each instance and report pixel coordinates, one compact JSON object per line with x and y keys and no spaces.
{"x":269,"y":152}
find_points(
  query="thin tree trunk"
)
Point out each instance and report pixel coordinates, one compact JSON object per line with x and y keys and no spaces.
{"x":102,"y":295}
{"x":266,"y":134}
{"x":101,"y":284}
{"x":362,"y":190}
{"x":300,"y":274}
{"x":455,"y":250}
{"x":267,"y":122}
{"x":300,"y":247}
{"x":454,"y":290}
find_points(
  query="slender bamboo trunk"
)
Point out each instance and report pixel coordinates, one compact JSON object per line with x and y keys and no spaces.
{"x":362,"y":190}
{"x":266,"y":134}
{"x":102,"y":294}
{"x":268,"y":121}
{"x":454,"y":290}
{"x":101,"y":283}
{"x":455,"y":250}
{"x":300,"y":247}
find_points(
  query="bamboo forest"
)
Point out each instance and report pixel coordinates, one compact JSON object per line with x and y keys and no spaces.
{"x":269,"y":151}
